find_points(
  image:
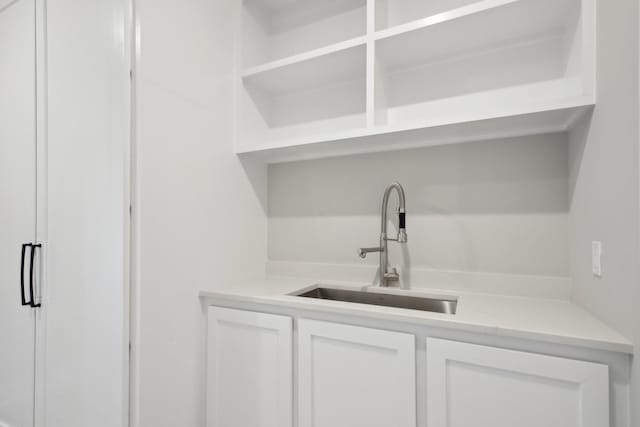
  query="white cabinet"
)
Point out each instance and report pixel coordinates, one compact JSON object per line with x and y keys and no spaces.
{"x":332,"y":77}
{"x":355,"y":377}
{"x":249,"y":378}
{"x":471,"y":385}
{"x":17,"y":210}
{"x":86,"y":247}
{"x":64,"y":136}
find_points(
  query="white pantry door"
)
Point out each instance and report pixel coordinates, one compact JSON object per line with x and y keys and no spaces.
{"x":17,"y":207}
{"x":85,"y":303}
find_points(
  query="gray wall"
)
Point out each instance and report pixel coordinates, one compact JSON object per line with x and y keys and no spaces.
{"x":492,"y":206}
{"x":604,"y":181}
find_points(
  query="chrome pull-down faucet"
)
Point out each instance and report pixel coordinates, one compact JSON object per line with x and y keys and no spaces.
{"x":387,"y":276}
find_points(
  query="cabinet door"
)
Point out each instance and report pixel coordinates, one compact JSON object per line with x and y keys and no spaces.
{"x":249,"y":378}
{"x":17,"y":207}
{"x":355,"y":377}
{"x":471,"y":385}
{"x":86,"y":294}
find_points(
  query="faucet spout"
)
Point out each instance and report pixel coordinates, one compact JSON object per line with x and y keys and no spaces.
{"x":402,"y":233}
{"x":362,"y":252}
{"x":387,"y":276}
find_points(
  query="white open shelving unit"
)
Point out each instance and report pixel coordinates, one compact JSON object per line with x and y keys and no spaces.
{"x":319,"y":78}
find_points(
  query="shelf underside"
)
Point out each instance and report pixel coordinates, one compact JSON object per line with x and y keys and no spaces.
{"x":388,"y":138}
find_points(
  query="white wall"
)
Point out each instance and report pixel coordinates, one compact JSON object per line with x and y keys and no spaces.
{"x":604,"y":180}
{"x":493,"y":206}
{"x":500,"y":206}
{"x":201,"y":211}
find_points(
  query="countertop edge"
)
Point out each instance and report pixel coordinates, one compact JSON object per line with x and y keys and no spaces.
{"x":624,"y":347}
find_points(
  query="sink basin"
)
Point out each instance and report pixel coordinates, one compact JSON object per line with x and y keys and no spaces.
{"x":436,"y":305}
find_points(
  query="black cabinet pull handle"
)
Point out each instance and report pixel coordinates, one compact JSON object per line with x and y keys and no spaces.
{"x":22,"y":294}
{"x":33,"y":255}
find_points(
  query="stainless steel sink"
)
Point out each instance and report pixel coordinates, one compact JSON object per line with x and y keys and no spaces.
{"x":437,"y":305}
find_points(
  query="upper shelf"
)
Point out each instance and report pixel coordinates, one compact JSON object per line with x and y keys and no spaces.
{"x":276,"y":29}
{"x":338,"y":62}
{"x":409,"y":73}
{"x":551,"y":119}
{"x":474,"y":28}
{"x":397,"y":12}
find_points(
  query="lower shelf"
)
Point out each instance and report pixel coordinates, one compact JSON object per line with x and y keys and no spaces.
{"x":551,"y":118}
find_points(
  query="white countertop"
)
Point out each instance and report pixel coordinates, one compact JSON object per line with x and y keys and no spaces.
{"x":546,"y":320}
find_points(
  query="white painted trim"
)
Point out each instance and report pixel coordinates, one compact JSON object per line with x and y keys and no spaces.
{"x":134,"y":235}
{"x":370,"y":109}
{"x":129,"y":261}
{"x":634,"y":394}
{"x":590,"y":42}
